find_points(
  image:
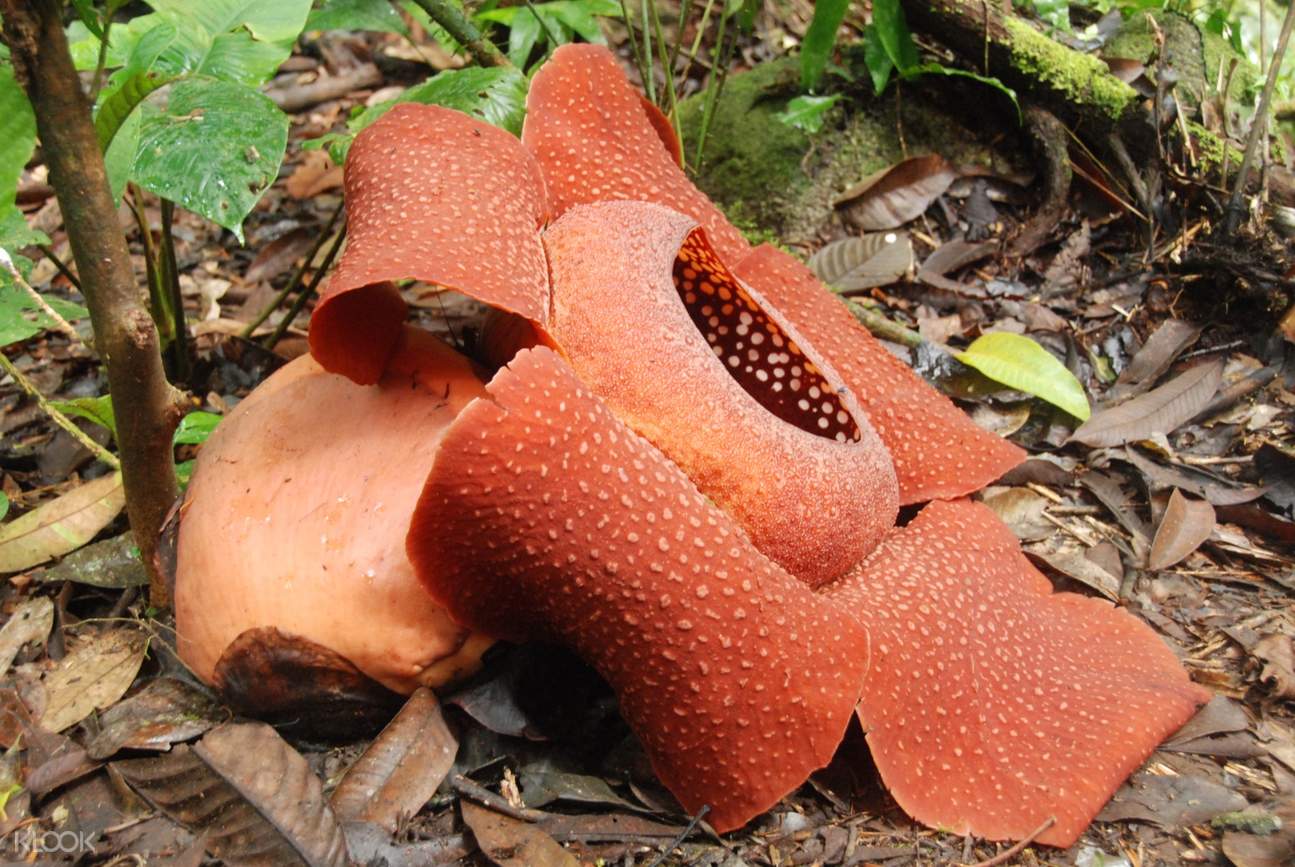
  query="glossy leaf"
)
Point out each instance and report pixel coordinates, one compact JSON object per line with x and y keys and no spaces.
{"x":1185,"y":525}
{"x":532,"y":22}
{"x":1021,"y":363}
{"x":816,"y":49}
{"x":893,"y":34}
{"x":376,"y":15}
{"x":118,"y":105}
{"x":1159,"y":411}
{"x":195,"y":427}
{"x":21,"y":317}
{"x":17,"y":134}
{"x":215,"y":149}
{"x":95,"y":409}
{"x":875,"y":57}
{"x":808,"y":112}
{"x":497,"y":96}
{"x":61,"y":525}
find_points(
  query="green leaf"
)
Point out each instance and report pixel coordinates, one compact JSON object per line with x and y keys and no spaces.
{"x":61,"y":525}
{"x":4,"y":507}
{"x":118,"y":104}
{"x":893,"y":34}
{"x":17,"y":135}
{"x":495,"y":95}
{"x":807,"y":112}
{"x":195,"y":427}
{"x":562,"y":18}
{"x":15,"y":233}
{"x":215,"y":149}
{"x":938,"y":69}
{"x":1021,"y":363}
{"x":120,"y":158}
{"x":21,"y":317}
{"x":819,"y":39}
{"x":89,"y":17}
{"x":1054,"y":13}
{"x":95,"y":409}
{"x":879,"y":64}
{"x":265,"y":20}
{"x":184,"y":472}
{"x":376,"y":15}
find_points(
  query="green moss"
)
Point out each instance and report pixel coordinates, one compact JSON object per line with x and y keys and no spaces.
{"x":1199,"y":57}
{"x":1210,"y":149}
{"x":1080,"y":78}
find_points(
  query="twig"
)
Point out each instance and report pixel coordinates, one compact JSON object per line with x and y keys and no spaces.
{"x":883,"y":327}
{"x":464,"y":32}
{"x":60,"y":265}
{"x":1016,"y":848}
{"x":297,"y":275}
{"x":171,"y":284}
{"x":60,"y":323}
{"x":486,"y":798}
{"x":1259,"y":125}
{"x":309,"y":292}
{"x":57,"y":417}
{"x":683,"y":835}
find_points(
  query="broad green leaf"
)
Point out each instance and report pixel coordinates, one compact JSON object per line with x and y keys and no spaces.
{"x":118,"y":105}
{"x":15,"y":233}
{"x":84,"y":45}
{"x":120,"y":158}
{"x":184,"y":47}
{"x":61,"y":525}
{"x":893,"y":34}
{"x":17,"y":134}
{"x":89,"y":17}
{"x":95,"y":409}
{"x":265,"y":20}
{"x":1019,"y":362}
{"x":195,"y":427}
{"x":819,"y":39}
{"x":495,"y":95}
{"x":879,"y":64}
{"x":1054,"y":13}
{"x":21,"y":317}
{"x":807,"y":112}
{"x":377,"y":15}
{"x":528,"y":24}
{"x":215,"y":149}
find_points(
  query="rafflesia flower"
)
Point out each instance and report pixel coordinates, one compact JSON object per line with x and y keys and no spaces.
{"x":689,"y":471}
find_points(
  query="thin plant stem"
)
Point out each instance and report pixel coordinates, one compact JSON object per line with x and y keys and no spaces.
{"x":544,"y":25}
{"x":295,"y":281}
{"x":1259,"y":125}
{"x":102,"y":62}
{"x":715,"y":85}
{"x":299,"y":302}
{"x":650,"y":82}
{"x":672,"y":107}
{"x":634,"y":42}
{"x":171,"y":284}
{"x":157,"y":298}
{"x":56,"y":416}
{"x":460,"y":26}
{"x":60,"y":323}
{"x":685,"y":6}
{"x":60,"y":265}
{"x":696,"y":40}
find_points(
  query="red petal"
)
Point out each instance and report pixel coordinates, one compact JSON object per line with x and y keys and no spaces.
{"x":545,"y":517}
{"x":436,"y":196}
{"x":297,"y":512}
{"x":586,"y":126}
{"x":938,"y":451}
{"x":656,"y":326}
{"x":993,"y":703}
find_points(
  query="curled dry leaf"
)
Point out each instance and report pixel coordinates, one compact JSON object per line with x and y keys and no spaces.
{"x":30,"y":621}
{"x":1159,"y":411}
{"x":511,"y":842}
{"x":1278,"y":658}
{"x":1160,"y":350}
{"x":61,"y":525}
{"x":1185,"y":525}
{"x":164,"y":712}
{"x":892,"y":196}
{"x":401,"y":768}
{"x":877,"y":259}
{"x":93,"y":676}
{"x":252,"y":795}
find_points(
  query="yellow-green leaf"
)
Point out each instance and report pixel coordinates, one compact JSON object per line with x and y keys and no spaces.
{"x":61,"y":525}
{"x":1019,"y":362}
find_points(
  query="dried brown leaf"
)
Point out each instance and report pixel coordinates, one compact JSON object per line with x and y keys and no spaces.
{"x":61,"y":525}
{"x":252,"y":794}
{"x":510,"y":842}
{"x":1022,"y":510}
{"x":30,"y":621}
{"x":1159,"y":477}
{"x":402,"y":767}
{"x":877,"y":259}
{"x":1159,"y":411}
{"x":1185,"y":525}
{"x":1278,"y":657}
{"x":1162,"y":347}
{"x":93,"y":676}
{"x":891,"y":197}
{"x":1264,"y":850}
{"x":164,"y":712}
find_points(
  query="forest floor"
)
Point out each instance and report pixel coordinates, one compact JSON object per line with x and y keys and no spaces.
{"x":1201,"y":477}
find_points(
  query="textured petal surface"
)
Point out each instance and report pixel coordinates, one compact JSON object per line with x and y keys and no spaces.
{"x":297,"y":513}
{"x":587,"y":127}
{"x":993,"y":703}
{"x":436,"y":196}
{"x":938,"y":451}
{"x":545,"y":517}
{"x":693,"y":361}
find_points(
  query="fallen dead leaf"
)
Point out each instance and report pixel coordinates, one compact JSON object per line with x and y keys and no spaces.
{"x":30,"y":621}
{"x":61,"y":525}
{"x":1185,"y":525}
{"x":1164,"y":345}
{"x":1022,"y":510}
{"x":252,"y":794}
{"x":877,"y":259}
{"x":510,"y":842}
{"x":1159,"y":411}
{"x":892,"y":196}
{"x":401,"y":769}
{"x":96,"y":673}
{"x":1278,"y":658}
{"x":1276,"y":849}
{"x":164,"y":712}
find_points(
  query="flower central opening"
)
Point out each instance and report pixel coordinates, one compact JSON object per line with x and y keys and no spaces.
{"x":754,"y":349}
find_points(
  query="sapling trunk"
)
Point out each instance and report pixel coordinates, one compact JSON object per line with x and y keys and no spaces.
{"x":147,"y":407}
